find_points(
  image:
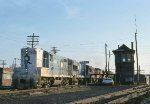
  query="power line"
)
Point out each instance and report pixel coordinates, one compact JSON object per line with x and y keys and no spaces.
{"x":33,"y":40}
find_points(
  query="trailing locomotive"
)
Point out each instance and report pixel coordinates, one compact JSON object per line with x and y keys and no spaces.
{"x":40,"y":68}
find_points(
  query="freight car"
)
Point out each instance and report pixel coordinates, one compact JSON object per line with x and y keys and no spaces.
{"x":40,"y":68}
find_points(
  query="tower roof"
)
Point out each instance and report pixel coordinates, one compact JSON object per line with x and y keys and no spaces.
{"x":123,"y":48}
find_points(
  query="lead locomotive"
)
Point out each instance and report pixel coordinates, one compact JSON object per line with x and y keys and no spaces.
{"x":40,"y":68}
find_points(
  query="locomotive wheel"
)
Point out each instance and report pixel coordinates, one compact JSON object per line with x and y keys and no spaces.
{"x":63,"y":83}
{"x":47,"y":86}
{"x":49,"y":83}
{"x":67,"y":82}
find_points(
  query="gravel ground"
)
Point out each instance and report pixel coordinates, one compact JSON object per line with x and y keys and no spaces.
{"x":64,"y":96}
{"x":145,"y":99}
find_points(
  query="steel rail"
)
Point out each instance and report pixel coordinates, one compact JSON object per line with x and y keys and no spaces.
{"x":111,"y":96}
{"x":32,"y":91}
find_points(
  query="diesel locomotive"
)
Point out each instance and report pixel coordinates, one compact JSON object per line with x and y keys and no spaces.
{"x":40,"y":68}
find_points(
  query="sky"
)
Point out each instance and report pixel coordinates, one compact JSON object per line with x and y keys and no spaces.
{"x":79,"y":28}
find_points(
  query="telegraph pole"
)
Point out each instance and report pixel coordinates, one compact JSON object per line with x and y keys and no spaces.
{"x":54,"y":50}
{"x":3,"y":63}
{"x":109,"y":61}
{"x":33,"y":40}
{"x":15,"y":64}
{"x":140,"y":70}
{"x":137,"y":64}
{"x":106,"y":59}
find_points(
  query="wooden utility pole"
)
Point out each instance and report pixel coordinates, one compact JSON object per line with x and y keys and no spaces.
{"x":137,"y":64}
{"x":33,"y":40}
{"x":54,"y":50}
{"x":109,"y":61}
{"x":3,"y":63}
{"x":140,"y":70}
{"x":106,"y":59}
{"x":15,"y":64}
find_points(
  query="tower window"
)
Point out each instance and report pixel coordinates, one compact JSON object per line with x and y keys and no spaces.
{"x":123,"y":60}
{"x":129,"y":60}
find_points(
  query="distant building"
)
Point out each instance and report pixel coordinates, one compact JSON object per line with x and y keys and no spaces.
{"x":6,"y":76}
{"x":143,"y":79}
{"x":98,"y":71}
{"x":124,"y":62}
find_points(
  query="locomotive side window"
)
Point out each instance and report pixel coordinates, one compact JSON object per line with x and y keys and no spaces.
{"x":45,"y":59}
{"x":51,"y":58}
{"x":75,"y":67}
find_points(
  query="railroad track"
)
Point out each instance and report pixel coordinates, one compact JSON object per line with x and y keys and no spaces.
{"x":62,"y":95}
{"x":17,"y":96}
{"x":116,"y":97}
{"x":30,"y":92}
